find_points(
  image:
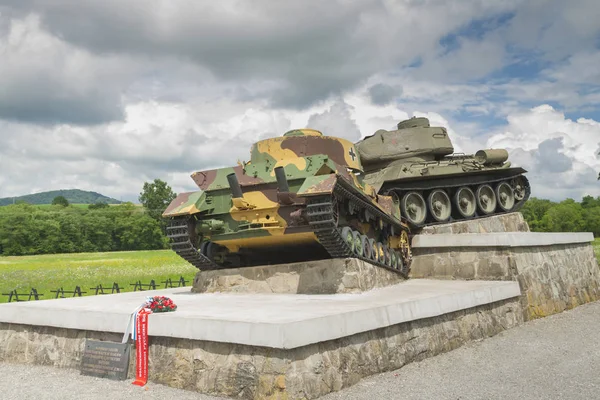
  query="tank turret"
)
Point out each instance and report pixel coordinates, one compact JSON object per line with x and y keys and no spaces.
{"x":414,"y":139}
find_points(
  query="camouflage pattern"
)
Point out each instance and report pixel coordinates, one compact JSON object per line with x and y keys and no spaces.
{"x":419,"y":158}
{"x":265,"y":216}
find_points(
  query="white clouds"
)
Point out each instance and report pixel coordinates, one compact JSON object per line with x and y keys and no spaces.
{"x":105,"y":95}
{"x":155,"y":140}
{"x":46,"y":80}
{"x":555,"y":28}
{"x":531,"y":127}
{"x":472,"y":60}
{"x":304,"y":51}
{"x":336,"y":121}
{"x":580,"y":68}
{"x":560,"y":154}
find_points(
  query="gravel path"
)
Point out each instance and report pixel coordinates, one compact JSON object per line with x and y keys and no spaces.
{"x":554,"y":358}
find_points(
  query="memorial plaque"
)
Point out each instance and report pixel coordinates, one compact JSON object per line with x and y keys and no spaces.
{"x":106,"y":359}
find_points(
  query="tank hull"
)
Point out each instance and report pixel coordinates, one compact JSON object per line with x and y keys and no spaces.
{"x":451,"y":180}
{"x":451,"y":183}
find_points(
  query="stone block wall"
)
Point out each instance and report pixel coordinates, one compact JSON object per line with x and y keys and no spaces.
{"x":348,"y":275}
{"x":556,"y":279}
{"x":552,"y":278}
{"x":249,"y":372}
{"x":481,"y":263}
{"x":510,"y":222}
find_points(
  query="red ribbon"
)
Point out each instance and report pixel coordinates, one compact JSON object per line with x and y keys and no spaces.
{"x":141,"y":348}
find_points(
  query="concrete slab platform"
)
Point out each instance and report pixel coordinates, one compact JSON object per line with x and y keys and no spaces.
{"x":282,"y":321}
{"x":505,"y":239}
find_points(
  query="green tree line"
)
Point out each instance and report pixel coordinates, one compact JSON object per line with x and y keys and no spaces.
{"x":60,"y":228}
{"x":27,"y":229}
{"x":565,"y":216}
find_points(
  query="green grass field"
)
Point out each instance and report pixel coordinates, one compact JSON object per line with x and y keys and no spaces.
{"x":84,"y":206}
{"x":78,"y":205}
{"x":87,"y":270}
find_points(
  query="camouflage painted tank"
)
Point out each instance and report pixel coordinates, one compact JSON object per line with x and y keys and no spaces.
{"x":416,"y":163}
{"x":300,"y":197}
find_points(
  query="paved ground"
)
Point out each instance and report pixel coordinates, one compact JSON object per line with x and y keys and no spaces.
{"x":554,"y":358}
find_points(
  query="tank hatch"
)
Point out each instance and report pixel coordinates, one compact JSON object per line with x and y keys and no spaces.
{"x":414,"y":122}
{"x":303,"y":132}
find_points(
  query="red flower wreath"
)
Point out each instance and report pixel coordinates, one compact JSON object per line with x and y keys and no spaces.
{"x":161,"y":304}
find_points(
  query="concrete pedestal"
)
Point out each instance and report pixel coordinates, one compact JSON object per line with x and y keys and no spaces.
{"x":269,"y":346}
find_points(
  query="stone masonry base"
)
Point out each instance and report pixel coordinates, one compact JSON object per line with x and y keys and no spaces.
{"x":552,"y":278}
{"x":251,"y":372}
{"x":340,"y":275}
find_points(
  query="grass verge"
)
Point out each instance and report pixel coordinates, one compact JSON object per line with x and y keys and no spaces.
{"x":87,"y":270}
{"x":596,"y":245}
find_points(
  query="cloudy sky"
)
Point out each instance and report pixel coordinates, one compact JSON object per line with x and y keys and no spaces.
{"x":104,"y":95}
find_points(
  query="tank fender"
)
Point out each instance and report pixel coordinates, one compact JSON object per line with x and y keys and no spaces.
{"x":185,"y":204}
{"x":319,"y":184}
{"x":390,"y":204}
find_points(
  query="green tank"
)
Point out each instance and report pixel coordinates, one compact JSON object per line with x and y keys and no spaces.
{"x":416,"y":163}
{"x":301,"y":197}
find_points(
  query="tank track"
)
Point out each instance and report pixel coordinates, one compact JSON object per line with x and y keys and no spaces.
{"x":178,"y":231}
{"x":515,"y":208}
{"x":320,"y":215}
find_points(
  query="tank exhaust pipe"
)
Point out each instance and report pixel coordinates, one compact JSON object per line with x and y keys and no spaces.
{"x":491,"y":156}
{"x":283,"y":188}
{"x":282,"y":183}
{"x":234,"y":185}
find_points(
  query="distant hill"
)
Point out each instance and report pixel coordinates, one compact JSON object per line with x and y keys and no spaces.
{"x":72,"y":195}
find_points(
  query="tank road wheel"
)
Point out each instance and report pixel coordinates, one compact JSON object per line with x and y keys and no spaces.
{"x":464,"y":200}
{"x":366,"y":245}
{"x":486,"y":199}
{"x":506,"y":196}
{"x":203,"y":246}
{"x":519,"y":188}
{"x":210,"y":250}
{"x":358,"y":244}
{"x":399,"y":264}
{"x":439,"y":205}
{"x":387,"y":258}
{"x":405,"y":253}
{"x":393,"y":259}
{"x":374,"y":250}
{"x":414,"y":208}
{"x":380,"y":254}
{"x":348,"y":237}
{"x":402,"y":266}
{"x":214,"y":252}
